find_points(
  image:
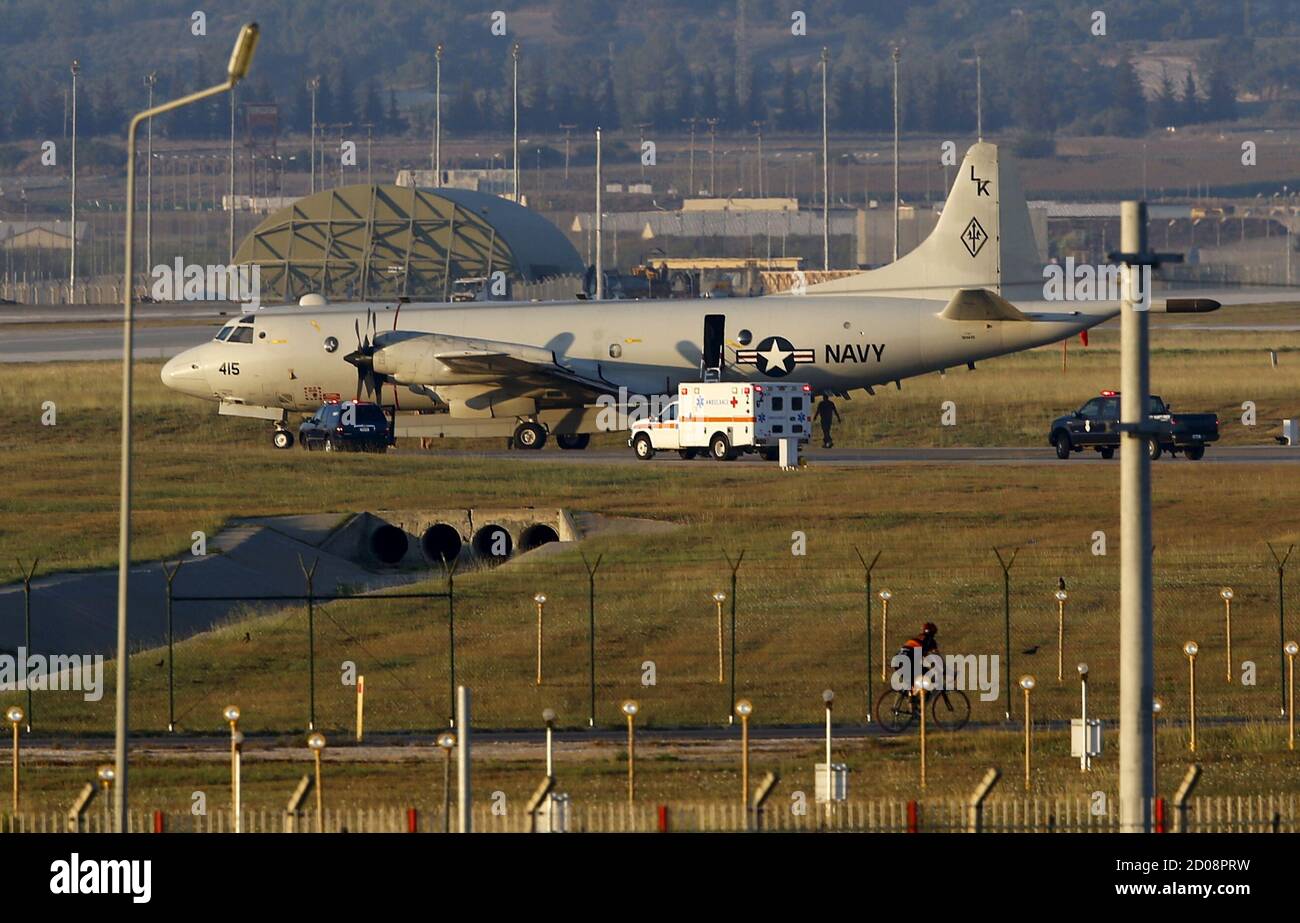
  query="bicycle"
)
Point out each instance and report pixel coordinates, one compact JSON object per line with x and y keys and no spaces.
{"x":897,"y":709}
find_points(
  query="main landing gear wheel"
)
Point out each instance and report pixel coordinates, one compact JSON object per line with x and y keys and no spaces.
{"x":1062,"y":443}
{"x":282,"y":439}
{"x":529,"y":436}
{"x":643,"y":448}
{"x":573,"y":440}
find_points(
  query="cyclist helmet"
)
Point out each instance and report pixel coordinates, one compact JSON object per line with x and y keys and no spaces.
{"x":930,"y":629}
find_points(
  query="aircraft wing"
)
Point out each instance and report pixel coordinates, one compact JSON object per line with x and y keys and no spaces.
{"x":435,"y":359}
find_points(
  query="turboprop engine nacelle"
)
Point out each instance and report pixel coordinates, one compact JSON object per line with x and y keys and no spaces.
{"x":438,"y":359}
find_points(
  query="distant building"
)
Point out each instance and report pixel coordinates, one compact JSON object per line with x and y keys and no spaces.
{"x":39,"y":235}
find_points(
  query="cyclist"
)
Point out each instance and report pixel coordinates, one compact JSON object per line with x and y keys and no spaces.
{"x":918,"y":648}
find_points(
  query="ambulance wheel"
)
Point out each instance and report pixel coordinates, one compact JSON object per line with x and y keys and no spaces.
{"x":720,"y":448}
{"x":573,"y":440}
{"x":529,"y":436}
{"x":282,"y":439}
{"x":643,"y":448}
{"x":688,"y":454}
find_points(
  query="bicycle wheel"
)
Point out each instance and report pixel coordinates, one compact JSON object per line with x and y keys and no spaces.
{"x":894,"y":710}
{"x":950,"y":709}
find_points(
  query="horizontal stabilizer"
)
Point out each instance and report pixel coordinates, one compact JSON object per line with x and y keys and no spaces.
{"x":981,"y":305}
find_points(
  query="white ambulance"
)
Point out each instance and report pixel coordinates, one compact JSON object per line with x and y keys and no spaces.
{"x":726,"y":419}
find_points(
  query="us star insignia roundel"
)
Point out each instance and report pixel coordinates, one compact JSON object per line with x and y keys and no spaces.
{"x":775,"y":356}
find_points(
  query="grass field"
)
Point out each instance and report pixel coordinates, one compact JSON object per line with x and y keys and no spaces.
{"x":800,"y":622}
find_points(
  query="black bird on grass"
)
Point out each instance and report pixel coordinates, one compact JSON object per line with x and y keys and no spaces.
{"x":1030,"y":651}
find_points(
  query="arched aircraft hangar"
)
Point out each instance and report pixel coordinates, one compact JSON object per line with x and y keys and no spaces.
{"x":373,"y":243}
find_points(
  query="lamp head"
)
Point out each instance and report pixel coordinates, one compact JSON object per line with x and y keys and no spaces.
{"x":106,"y":773}
{"x":15,"y":713}
{"x":548,"y":715}
{"x":1291,"y":648}
{"x":447,"y":740}
{"x":630,"y":708}
{"x":744,"y":708}
{"x":241,"y":58}
{"x":1083,"y":670}
{"x":828,"y":696}
{"x":925,"y":682}
{"x":886,"y":595}
{"x":1061,"y":595}
{"x":316,"y":741}
{"x":1191,"y":648}
{"x":719,"y":596}
{"x":1156,"y":705}
{"x":1027,"y":682}
{"x":1226,"y":593}
{"x":230,"y":713}
{"x":540,"y":598}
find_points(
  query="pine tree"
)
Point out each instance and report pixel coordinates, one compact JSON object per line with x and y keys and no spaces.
{"x":1190,"y":104}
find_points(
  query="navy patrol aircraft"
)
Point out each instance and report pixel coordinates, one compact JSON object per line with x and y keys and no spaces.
{"x":527,"y":370}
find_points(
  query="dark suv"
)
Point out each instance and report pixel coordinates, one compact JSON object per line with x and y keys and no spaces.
{"x":346,"y":426}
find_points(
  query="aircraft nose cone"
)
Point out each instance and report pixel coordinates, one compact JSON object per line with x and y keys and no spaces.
{"x":184,"y":373}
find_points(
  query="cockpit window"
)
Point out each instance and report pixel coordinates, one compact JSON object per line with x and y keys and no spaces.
{"x":224,"y":332}
{"x":241,"y":335}
{"x":246,"y":319}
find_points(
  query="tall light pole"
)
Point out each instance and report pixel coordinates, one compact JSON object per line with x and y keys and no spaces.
{"x":240,"y":60}
{"x":313,"y":84}
{"x":600,"y":268}
{"x":758,"y":129}
{"x":895,"y":55}
{"x":826,"y":171}
{"x":230,"y":185}
{"x":1136,"y":628}
{"x":149,"y":81}
{"x":72,"y":227}
{"x":231,"y":714}
{"x":514,"y":59}
{"x":690,"y":185}
{"x":437,"y":116}
{"x":713,"y":151}
{"x":567,"y":128}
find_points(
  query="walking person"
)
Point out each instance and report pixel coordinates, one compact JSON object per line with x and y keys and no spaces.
{"x":824,"y":412}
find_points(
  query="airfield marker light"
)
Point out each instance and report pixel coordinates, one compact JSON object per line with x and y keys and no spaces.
{"x":1027,"y":683}
{"x":744,"y":708}
{"x":1226,"y":595}
{"x":1085,"y":761}
{"x":1157,"y":706}
{"x":447,"y":741}
{"x":548,"y":717}
{"x":1061,"y":597}
{"x":241,"y":60}
{"x":361,"y":707}
{"x":15,"y":715}
{"x":231,"y":714}
{"x":719,"y":598}
{"x":1190,"y":649}
{"x":924,"y":686}
{"x":630,"y":708}
{"x":885,"y":597}
{"x":316,"y":742}
{"x":540,"y":599}
{"x":1290,"y":649}
{"x":828,"y":698}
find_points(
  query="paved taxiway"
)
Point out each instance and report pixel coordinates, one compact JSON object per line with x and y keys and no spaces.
{"x":878,"y":457}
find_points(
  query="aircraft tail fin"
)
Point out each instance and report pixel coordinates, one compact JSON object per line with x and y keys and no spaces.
{"x":983,"y":239}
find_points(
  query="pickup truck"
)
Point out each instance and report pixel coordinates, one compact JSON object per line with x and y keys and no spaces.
{"x":1093,"y":426}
